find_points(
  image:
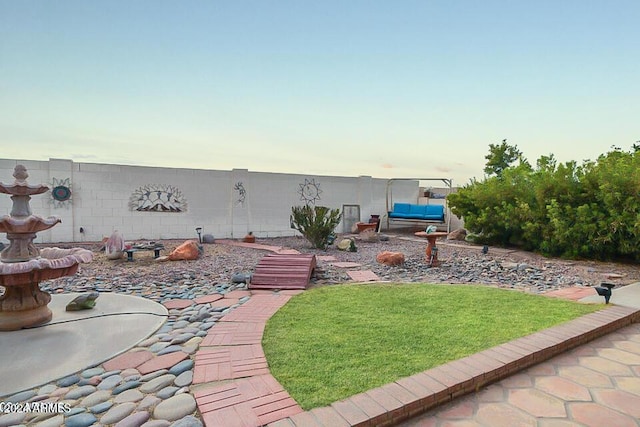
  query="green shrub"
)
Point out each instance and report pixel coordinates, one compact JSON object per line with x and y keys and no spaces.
{"x":316,"y":223}
{"x":588,"y":211}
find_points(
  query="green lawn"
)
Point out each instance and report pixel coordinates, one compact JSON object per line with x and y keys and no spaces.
{"x":333,"y":342}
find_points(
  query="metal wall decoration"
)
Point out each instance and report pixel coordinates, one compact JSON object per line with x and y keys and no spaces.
{"x":310,"y":191}
{"x":60,"y":192}
{"x":242,"y":193}
{"x":157,"y":198}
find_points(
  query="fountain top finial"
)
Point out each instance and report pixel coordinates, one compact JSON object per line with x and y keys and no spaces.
{"x":20,"y":187}
{"x":20,"y":173}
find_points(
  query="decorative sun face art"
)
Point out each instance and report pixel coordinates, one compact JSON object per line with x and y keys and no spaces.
{"x":310,"y":191}
{"x":157,"y":198}
{"x":60,"y":192}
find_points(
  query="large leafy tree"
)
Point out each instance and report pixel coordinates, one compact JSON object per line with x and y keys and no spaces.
{"x":500,"y":157}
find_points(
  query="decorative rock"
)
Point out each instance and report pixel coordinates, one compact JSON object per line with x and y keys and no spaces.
{"x":175,"y":407}
{"x":75,"y":411}
{"x":134,"y":420}
{"x":79,"y":392}
{"x":118,"y":413}
{"x":157,"y":383}
{"x":80,"y":420}
{"x":129,"y":396}
{"x":179,"y":368}
{"x":184,"y":379}
{"x":152,"y":375}
{"x":170,"y":349}
{"x":390,"y":258}
{"x":188,"y":421}
{"x":110,"y":373}
{"x":167,"y":392}
{"x":158,"y":346}
{"x":110,"y":382}
{"x":182,"y":338}
{"x":240,"y":278}
{"x":128,"y":385}
{"x":12,"y":419}
{"x":148,"y":402}
{"x":88,"y":373}
{"x":95,"y":398}
{"x":56,"y":421}
{"x":347,"y":245}
{"x":459,"y":234}
{"x":22,"y":396}
{"x":208,"y":238}
{"x":68,"y":381}
{"x":101,"y":407}
{"x":148,"y":342}
{"x":47,"y":389}
{"x":129,"y":373}
{"x":189,"y":250}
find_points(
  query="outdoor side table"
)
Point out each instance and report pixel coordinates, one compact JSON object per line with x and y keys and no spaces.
{"x":432,"y":249}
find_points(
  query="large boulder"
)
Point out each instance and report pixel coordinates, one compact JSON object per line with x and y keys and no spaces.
{"x":390,"y":258}
{"x":459,"y":234}
{"x":187,"y":251}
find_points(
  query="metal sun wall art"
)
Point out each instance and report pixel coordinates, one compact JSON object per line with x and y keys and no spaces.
{"x":157,"y":198}
{"x":310,"y":191}
{"x":60,"y":192}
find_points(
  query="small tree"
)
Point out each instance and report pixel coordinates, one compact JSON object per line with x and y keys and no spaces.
{"x":500,"y":157}
{"x":315,"y":223}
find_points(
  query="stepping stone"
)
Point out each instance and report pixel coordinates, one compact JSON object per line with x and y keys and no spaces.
{"x":346,"y":264}
{"x":208,"y":298}
{"x":165,"y":361}
{"x":177,"y":303}
{"x":132,"y":359}
{"x":226,"y":302}
{"x":363,"y":276}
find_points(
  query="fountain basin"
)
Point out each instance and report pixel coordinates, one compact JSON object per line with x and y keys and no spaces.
{"x":23,"y":303}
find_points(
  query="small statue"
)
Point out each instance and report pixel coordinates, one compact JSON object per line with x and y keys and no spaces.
{"x":83,"y":302}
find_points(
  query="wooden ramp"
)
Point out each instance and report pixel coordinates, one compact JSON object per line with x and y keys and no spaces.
{"x":283,"y":271}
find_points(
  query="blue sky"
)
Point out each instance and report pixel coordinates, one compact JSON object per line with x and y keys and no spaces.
{"x":380,"y":88}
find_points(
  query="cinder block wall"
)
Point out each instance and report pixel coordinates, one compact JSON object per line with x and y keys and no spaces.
{"x":227,"y":204}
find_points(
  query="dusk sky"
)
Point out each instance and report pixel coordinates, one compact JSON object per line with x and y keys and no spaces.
{"x":381,"y":88}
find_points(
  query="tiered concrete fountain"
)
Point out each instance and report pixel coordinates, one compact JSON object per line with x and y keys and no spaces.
{"x":22,"y":265}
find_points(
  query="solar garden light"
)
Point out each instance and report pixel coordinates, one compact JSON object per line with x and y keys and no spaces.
{"x":199,"y":231}
{"x":604,"y":290}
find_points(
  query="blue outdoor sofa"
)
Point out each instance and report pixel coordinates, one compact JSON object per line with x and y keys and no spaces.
{"x":421,"y":213}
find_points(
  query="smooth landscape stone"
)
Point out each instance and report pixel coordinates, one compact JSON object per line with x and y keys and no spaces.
{"x":110,"y":382}
{"x":134,"y":420}
{"x":158,"y":346}
{"x":108,"y":374}
{"x":80,"y":420}
{"x":101,"y":407}
{"x":129,"y":396}
{"x":148,"y":341}
{"x":175,"y":407}
{"x":94,"y":380}
{"x":190,"y":349}
{"x":184,"y":379}
{"x":37,"y":417}
{"x":157,"y":383}
{"x":79,"y":392}
{"x":148,"y":402}
{"x":182,"y":338}
{"x":55,"y":421}
{"x":75,"y":411}
{"x":47,"y":389}
{"x":167,"y":392}
{"x":180,"y":367}
{"x":68,"y":381}
{"x":88,"y":373}
{"x":181,"y":324}
{"x":22,"y":396}
{"x":95,"y":398}
{"x":118,"y":413}
{"x":12,"y":418}
{"x":169,"y":349}
{"x":206,"y":326}
{"x":188,"y":421}
{"x":201,"y":334}
{"x":129,"y":373}
{"x":154,"y":374}
{"x":194,"y":340}
{"x":127,"y":385}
